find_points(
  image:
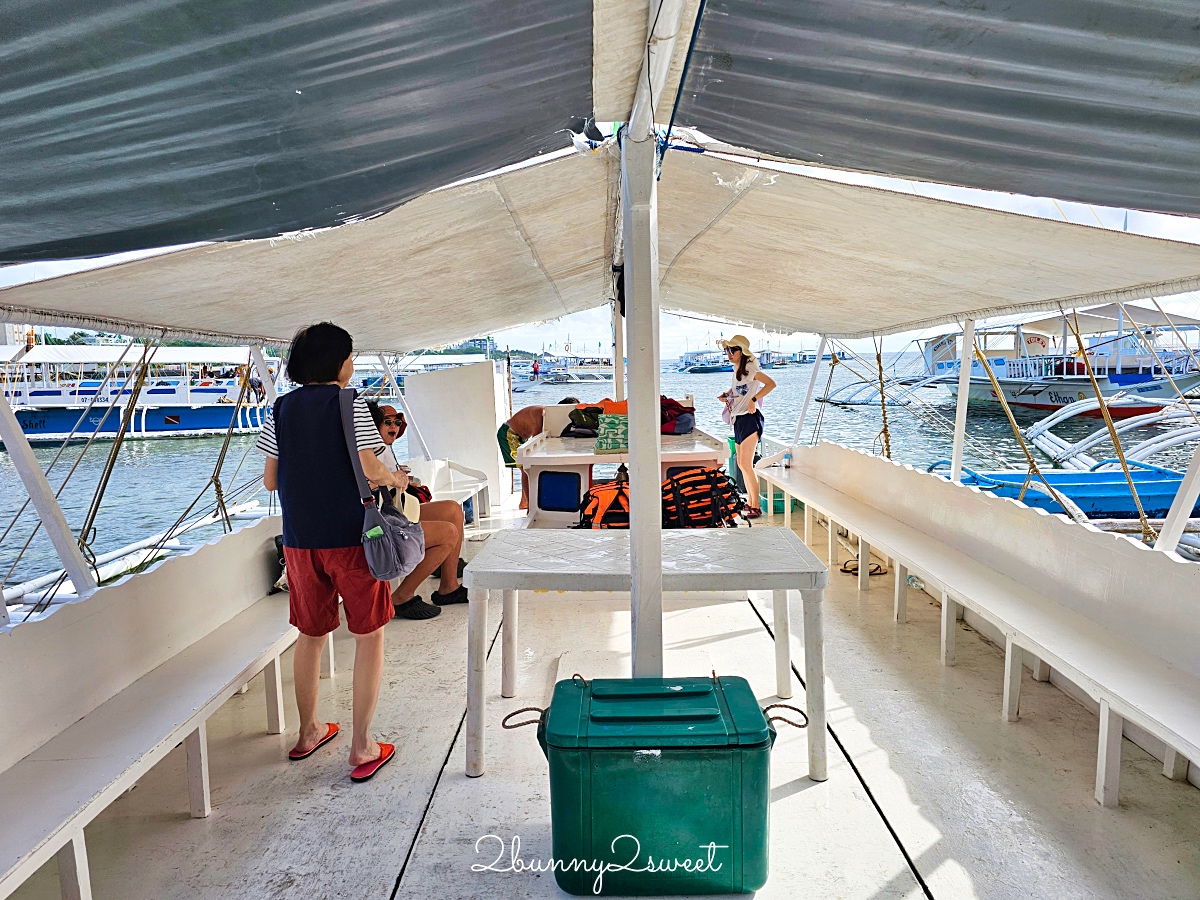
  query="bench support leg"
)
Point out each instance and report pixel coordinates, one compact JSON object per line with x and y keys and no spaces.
{"x":328,"y":664}
{"x":74,"y":878}
{"x":508,"y":687}
{"x":196,"y":745}
{"x":783,"y":644}
{"x":477,"y":615}
{"x":808,"y":522}
{"x":949,"y":626}
{"x":833,"y":542}
{"x":900,"y":604}
{"x":273,"y":682}
{"x":1012,"y":679}
{"x":864,"y":564}
{"x":244,"y":688}
{"x":1041,"y":670}
{"x":814,"y":683}
{"x":1175,"y":765}
{"x":787,"y":509}
{"x":1108,"y":757}
{"x":770,"y":491}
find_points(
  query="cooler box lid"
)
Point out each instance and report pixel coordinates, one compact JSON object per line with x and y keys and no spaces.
{"x":650,"y":713}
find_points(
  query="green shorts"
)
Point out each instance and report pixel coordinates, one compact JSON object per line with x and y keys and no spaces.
{"x":509,"y":441}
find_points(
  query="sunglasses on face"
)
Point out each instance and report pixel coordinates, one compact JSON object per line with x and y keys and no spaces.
{"x":394,"y":422}
{"x":730,"y":350}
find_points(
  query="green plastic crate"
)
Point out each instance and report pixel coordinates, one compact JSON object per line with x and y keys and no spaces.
{"x":672,"y":770}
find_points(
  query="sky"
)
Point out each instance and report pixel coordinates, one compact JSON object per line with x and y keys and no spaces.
{"x":590,"y":333}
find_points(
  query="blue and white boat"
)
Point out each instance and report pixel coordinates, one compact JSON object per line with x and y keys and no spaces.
{"x":59,"y":390}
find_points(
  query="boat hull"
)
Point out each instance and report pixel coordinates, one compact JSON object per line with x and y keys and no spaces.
{"x":1101,"y":495}
{"x":42,"y":424}
{"x":1047,"y":396}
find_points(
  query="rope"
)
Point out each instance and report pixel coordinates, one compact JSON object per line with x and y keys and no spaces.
{"x":833,"y":362}
{"x":884,"y":433}
{"x":1171,"y":380}
{"x":789,"y":707}
{"x":1012,"y":422}
{"x":517,"y":712}
{"x":1179,"y":337}
{"x":1148,"y":534}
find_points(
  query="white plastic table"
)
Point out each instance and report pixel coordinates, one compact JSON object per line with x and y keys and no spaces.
{"x":717,"y":559}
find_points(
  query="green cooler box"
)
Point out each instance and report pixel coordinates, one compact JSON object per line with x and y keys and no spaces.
{"x":658,"y":786}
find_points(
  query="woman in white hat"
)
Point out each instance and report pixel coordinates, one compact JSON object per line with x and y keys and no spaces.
{"x":742,"y":402}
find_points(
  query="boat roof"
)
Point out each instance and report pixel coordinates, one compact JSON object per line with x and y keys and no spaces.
{"x":1086,"y":101}
{"x":72,"y":354}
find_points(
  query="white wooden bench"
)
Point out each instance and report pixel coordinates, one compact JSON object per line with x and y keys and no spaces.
{"x":448,"y":480}
{"x":1113,"y":617}
{"x":101,"y":690}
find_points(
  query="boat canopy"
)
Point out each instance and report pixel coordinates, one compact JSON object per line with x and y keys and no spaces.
{"x":71,"y":354}
{"x":211,"y":126}
{"x":1109,"y":318}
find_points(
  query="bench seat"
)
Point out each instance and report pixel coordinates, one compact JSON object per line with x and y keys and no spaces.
{"x":1128,"y":681}
{"x":48,"y":797}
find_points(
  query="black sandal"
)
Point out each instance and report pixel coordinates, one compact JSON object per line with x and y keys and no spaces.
{"x":458,"y":595}
{"x":416,"y":608}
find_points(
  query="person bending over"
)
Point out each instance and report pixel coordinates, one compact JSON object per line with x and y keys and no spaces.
{"x":525,"y":424}
{"x":307,"y":463}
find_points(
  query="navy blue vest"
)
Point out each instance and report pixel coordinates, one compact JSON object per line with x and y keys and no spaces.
{"x":317,"y":489}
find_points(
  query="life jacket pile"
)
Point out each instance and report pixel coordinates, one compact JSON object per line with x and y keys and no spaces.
{"x":605,"y":505}
{"x":700,"y":498}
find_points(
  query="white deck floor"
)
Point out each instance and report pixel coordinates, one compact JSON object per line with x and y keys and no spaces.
{"x":943,"y":799}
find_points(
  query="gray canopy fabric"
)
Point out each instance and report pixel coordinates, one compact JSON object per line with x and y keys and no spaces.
{"x":737,"y":242}
{"x":1089,"y":100}
{"x":162,"y":122}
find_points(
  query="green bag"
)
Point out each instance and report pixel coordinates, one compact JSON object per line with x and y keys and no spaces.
{"x":588,"y":417}
{"x":612,"y":433}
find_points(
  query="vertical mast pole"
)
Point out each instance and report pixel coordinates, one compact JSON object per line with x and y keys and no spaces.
{"x":812,"y":384}
{"x":618,"y":322}
{"x":965,"y":359}
{"x":640,"y":206}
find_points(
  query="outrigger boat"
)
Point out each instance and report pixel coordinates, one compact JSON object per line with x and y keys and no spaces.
{"x":60,"y":390}
{"x":420,"y":196}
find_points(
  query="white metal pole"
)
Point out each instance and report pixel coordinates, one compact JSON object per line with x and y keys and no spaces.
{"x":618,"y":322}
{"x":264,"y":373}
{"x":812,"y":385}
{"x":1120,"y":335}
{"x":965,"y":359}
{"x":48,"y":510}
{"x":412,"y":423}
{"x":1181,"y":506}
{"x":639,"y":202}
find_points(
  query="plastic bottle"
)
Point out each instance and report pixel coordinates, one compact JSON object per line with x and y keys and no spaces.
{"x":787,"y":458}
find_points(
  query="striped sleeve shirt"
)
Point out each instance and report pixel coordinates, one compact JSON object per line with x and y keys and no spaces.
{"x":366,"y":435}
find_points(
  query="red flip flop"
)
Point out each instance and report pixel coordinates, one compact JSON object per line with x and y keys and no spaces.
{"x":330,"y":734}
{"x":367,"y":770}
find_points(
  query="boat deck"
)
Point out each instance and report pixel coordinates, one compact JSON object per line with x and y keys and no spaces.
{"x":930,"y":792}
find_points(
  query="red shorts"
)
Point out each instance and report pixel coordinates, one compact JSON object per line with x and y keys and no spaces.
{"x":317,"y":577}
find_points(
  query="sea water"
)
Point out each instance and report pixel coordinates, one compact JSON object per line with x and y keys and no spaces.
{"x":153,"y":481}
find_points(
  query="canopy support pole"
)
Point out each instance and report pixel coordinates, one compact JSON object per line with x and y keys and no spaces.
{"x":618,"y":323}
{"x":264,"y":374}
{"x":1120,"y":335}
{"x":1181,"y":506}
{"x":812,"y":385}
{"x":412,"y":422}
{"x":640,"y":204}
{"x":965,"y":361}
{"x":44,"y":501}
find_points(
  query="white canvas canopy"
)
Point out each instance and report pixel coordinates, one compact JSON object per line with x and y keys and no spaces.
{"x":1107,"y":318}
{"x":766,"y":248}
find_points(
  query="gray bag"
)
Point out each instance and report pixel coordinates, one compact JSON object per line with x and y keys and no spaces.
{"x":393,"y":544}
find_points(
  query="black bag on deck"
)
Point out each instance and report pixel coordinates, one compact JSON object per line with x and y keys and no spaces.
{"x":700,"y":498}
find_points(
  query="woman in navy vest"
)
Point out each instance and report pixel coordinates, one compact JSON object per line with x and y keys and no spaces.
{"x":308,"y":464}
